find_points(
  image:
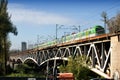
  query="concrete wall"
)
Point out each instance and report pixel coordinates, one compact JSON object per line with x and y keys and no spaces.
{"x":115,"y":57}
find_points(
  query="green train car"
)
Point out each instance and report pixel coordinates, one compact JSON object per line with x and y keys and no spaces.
{"x":94,"y":31}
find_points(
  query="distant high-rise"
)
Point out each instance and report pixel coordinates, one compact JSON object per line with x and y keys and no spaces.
{"x":23,"y":46}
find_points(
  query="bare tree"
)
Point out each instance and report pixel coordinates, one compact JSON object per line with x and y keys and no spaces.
{"x":114,"y":24}
{"x":118,"y":22}
{"x":111,"y":25}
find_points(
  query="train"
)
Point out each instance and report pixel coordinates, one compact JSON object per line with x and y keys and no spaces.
{"x":93,"y":31}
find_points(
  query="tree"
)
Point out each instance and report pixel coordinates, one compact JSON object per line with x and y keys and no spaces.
{"x":114,"y":24}
{"x":6,"y":27}
{"x":78,"y":66}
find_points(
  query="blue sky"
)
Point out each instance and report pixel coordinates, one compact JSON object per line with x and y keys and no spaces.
{"x":39,"y":17}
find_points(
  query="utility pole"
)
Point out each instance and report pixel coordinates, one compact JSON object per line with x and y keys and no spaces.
{"x":104,"y":16}
{"x":56,"y":32}
{"x":79,"y":27}
{"x":54,"y":67}
{"x":57,"y":27}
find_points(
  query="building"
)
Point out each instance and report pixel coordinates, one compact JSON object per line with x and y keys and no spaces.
{"x":23,"y":46}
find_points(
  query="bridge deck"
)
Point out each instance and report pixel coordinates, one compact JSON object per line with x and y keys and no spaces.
{"x":90,"y":39}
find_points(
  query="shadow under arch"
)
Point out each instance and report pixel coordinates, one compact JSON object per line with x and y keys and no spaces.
{"x":50,"y":61}
{"x":59,"y":61}
{"x":19,"y":61}
{"x":30,"y":60}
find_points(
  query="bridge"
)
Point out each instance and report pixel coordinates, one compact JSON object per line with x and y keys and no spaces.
{"x":103,"y":51}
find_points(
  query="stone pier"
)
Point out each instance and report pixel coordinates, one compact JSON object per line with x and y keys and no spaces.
{"x":115,"y":57}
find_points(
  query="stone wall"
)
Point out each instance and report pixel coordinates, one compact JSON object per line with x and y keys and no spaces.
{"x":115,"y":57}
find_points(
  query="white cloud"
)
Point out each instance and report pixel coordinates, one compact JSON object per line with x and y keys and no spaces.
{"x":24,"y":15}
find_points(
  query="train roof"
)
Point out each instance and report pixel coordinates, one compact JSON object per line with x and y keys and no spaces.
{"x":97,"y":26}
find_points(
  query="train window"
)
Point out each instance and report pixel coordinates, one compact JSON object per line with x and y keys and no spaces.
{"x":92,"y":31}
{"x":79,"y":35}
{"x":100,"y":30}
{"x":89,"y":32}
{"x":83,"y":34}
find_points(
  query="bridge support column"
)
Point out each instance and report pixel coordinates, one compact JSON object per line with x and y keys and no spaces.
{"x":93,"y":58}
{"x":47,"y":70}
{"x":11,"y":65}
{"x":115,"y":57}
{"x":103,"y":55}
{"x":54,"y":70}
